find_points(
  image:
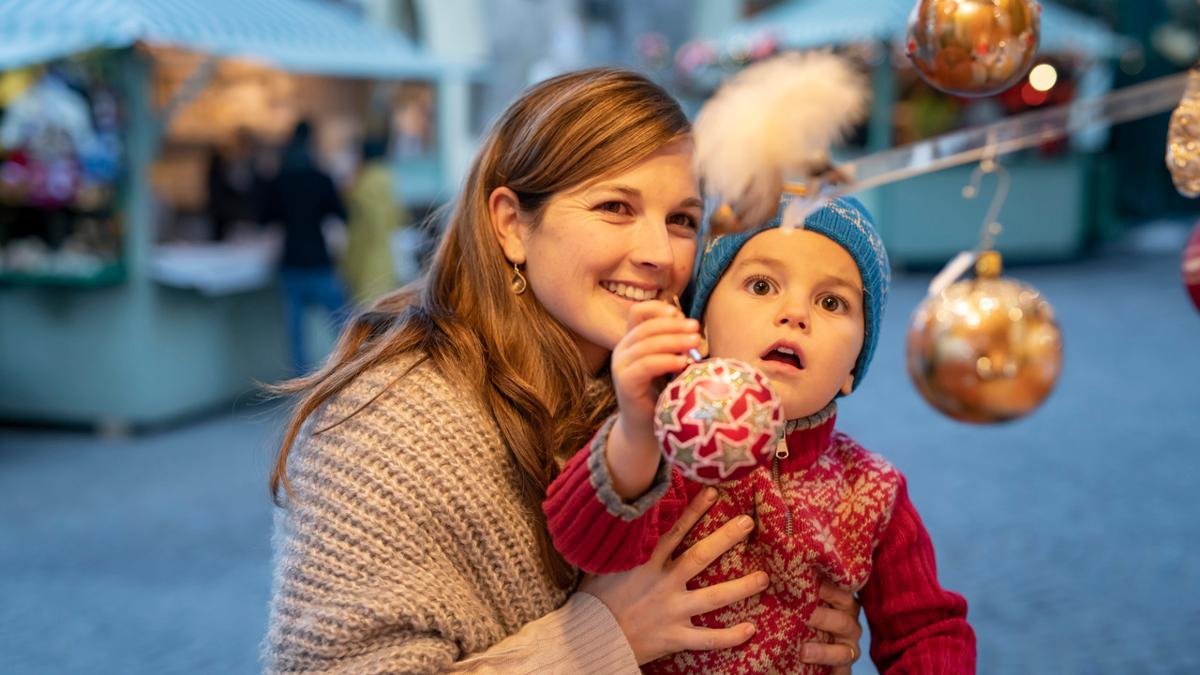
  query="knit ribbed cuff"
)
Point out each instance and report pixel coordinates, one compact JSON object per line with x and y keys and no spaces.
{"x":590,"y":525}
{"x":582,"y":636}
{"x":594,"y":638}
{"x":602,"y":481}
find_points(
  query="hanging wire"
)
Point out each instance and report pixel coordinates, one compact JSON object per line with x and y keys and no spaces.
{"x":991,"y":227}
{"x":1015,"y":133}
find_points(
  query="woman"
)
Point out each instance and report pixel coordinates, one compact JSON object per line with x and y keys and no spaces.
{"x":417,"y":458}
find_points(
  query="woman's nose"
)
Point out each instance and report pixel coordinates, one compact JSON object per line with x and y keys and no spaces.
{"x":652,"y":246}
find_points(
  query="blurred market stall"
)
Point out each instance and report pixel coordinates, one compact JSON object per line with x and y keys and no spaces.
{"x":119,"y":305}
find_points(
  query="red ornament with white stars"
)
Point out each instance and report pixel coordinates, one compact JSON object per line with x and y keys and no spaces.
{"x":718,"y":420}
{"x":1191,"y":265}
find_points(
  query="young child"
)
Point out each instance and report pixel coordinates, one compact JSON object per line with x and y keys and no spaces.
{"x":804,"y":307}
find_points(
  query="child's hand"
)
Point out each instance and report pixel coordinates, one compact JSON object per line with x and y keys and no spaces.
{"x":655,"y":344}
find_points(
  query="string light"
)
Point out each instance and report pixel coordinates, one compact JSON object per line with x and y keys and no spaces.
{"x":1043,"y":77}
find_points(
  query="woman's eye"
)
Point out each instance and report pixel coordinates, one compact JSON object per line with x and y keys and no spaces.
{"x":684,"y":220}
{"x":619,"y":208}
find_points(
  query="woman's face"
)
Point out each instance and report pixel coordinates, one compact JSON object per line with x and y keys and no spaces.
{"x":622,"y":239}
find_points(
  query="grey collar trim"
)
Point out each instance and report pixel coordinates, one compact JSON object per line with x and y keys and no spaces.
{"x":814,"y":420}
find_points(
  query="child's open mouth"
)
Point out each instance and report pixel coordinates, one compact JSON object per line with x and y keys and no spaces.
{"x":785,"y":353}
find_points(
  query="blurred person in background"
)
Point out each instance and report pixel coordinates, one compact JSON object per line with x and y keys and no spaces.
{"x":368,"y":266}
{"x":302,"y":197}
{"x":235,"y":185}
{"x":411,"y":473}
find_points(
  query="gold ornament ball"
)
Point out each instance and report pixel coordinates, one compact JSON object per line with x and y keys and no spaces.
{"x":985,"y":350}
{"x":973,"y":47}
{"x":1183,"y":140}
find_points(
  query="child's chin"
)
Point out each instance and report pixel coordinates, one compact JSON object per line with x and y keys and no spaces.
{"x":796,"y":407}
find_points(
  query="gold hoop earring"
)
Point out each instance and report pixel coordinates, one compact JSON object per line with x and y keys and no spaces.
{"x":518,"y":280}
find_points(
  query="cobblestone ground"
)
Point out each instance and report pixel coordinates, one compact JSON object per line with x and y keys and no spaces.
{"x":1072,"y":533}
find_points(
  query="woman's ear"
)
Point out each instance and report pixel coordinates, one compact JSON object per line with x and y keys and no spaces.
{"x":704,"y":342}
{"x":848,"y":385}
{"x":504,"y":211}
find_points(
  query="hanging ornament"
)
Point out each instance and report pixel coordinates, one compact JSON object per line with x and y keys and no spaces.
{"x":985,"y":349}
{"x":1191,"y":265}
{"x":718,"y":420}
{"x":1183,"y":140}
{"x":973,"y":47}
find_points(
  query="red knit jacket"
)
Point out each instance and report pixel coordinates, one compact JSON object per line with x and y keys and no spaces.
{"x":828,"y":510}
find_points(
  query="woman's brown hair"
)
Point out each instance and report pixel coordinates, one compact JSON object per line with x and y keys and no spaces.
{"x":463,"y":315}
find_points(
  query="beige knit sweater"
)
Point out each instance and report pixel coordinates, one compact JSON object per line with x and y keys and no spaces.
{"x":407,"y":548}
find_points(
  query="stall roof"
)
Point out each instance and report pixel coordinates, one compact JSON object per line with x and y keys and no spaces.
{"x":804,"y":24}
{"x":306,"y":36}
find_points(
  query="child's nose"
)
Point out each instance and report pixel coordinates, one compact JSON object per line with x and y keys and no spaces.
{"x":793,"y":314}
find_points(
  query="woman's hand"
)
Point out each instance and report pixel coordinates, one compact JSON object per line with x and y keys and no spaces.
{"x":837,"y":615}
{"x":652,"y":603}
{"x":654,"y":607}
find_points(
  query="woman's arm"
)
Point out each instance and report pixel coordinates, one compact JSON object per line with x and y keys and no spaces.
{"x":361,"y":587}
{"x":580,"y":637}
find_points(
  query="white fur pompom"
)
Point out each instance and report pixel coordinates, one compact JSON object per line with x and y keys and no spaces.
{"x":775,"y":119}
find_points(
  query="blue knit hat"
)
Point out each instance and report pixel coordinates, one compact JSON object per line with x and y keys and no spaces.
{"x":844,"y":220}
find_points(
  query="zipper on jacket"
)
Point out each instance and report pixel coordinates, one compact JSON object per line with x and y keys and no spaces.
{"x":781,"y":453}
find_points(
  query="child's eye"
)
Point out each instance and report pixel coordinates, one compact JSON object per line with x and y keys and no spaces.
{"x":833,"y":303}
{"x":759,"y":285}
{"x":616,"y":207}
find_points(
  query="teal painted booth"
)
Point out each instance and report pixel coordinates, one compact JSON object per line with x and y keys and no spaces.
{"x":130,"y":347}
{"x":125,"y":350}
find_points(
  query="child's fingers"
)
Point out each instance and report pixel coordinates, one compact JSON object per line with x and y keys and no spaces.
{"x":649,"y":309}
{"x":669,"y":343}
{"x":647,"y":368}
{"x":660,"y":326}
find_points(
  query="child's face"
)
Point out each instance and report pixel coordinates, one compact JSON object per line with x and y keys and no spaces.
{"x":791,"y":304}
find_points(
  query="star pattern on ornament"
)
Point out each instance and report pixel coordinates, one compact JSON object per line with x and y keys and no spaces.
{"x":685,"y":454}
{"x":695,"y":372}
{"x":732,"y":456}
{"x":761,"y":415}
{"x":710,"y":412}
{"x":738,"y":379}
{"x":667,"y":416}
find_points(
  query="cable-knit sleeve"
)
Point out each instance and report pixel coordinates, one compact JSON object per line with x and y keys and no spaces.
{"x":405,"y":548}
{"x":592,"y":527}
{"x":916,"y":625}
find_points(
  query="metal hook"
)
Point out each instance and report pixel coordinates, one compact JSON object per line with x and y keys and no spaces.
{"x":991,"y":228}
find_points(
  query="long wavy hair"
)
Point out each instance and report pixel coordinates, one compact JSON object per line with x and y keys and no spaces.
{"x":521,"y":363}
